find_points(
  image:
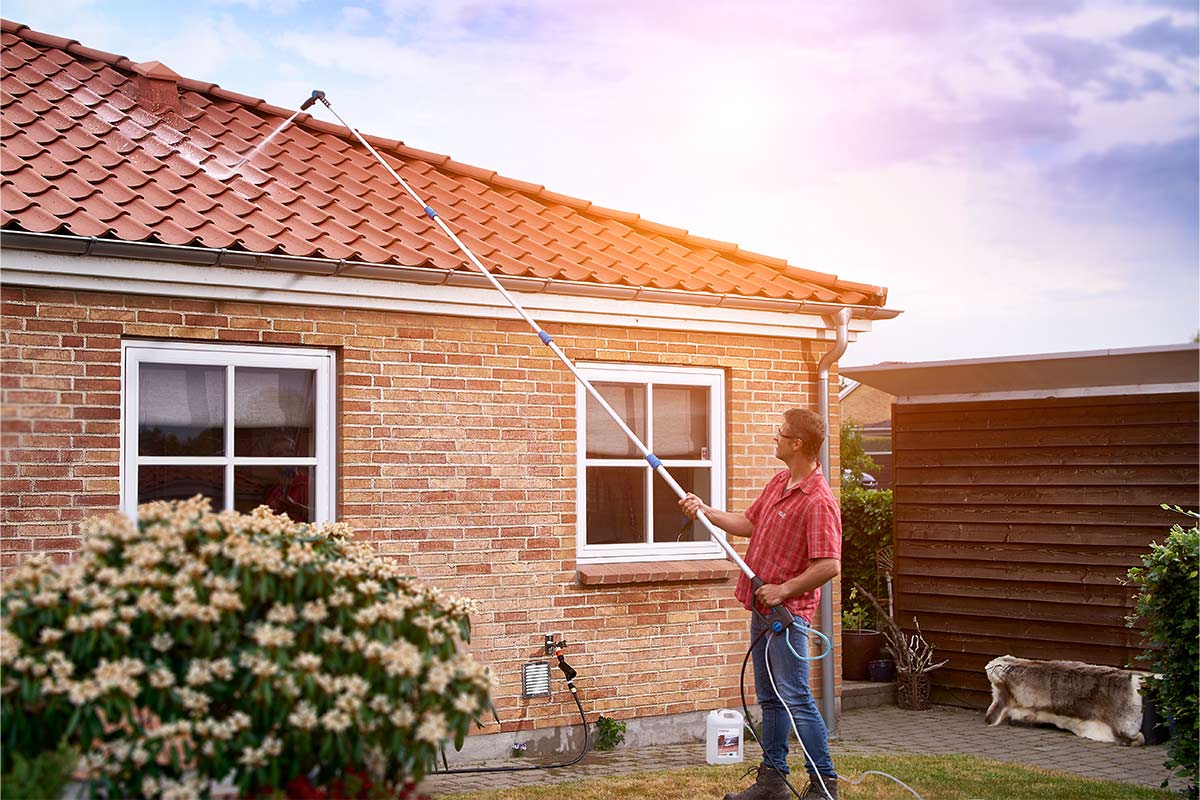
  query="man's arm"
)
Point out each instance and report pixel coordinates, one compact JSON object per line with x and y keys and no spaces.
{"x":820,"y":571}
{"x":729,"y":521}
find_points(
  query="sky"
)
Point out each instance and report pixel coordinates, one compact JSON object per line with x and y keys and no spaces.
{"x":1021,"y":174}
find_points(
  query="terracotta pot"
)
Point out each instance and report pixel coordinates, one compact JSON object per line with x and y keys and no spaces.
{"x":912,"y":691}
{"x":858,"y":649}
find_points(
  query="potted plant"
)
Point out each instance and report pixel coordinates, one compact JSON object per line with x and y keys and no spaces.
{"x":914,"y":660}
{"x":860,"y":644}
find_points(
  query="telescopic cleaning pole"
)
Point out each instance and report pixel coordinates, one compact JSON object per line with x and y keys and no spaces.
{"x":780,"y":617}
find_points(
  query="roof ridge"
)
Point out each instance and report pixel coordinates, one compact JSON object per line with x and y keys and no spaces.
{"x":445,"y":162}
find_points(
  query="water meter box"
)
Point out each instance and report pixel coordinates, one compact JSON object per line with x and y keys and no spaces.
{"x":723,"y":740}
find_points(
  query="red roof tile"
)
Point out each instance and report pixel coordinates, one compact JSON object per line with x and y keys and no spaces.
{"x":81,"y":156}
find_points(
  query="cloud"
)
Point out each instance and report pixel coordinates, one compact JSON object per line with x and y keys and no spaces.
{"x":270,"y":6}
{"x":1071,"y":61}
{"x":204,"y":47}
{"x":1144,"y":183}
{"x":1165,"y":38}
{"x":355,"y":17}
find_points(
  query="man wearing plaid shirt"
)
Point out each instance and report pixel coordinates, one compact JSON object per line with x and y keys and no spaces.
{"x":795,"y":530}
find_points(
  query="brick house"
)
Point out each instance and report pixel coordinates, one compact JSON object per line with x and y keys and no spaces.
{"x":296,"y":333}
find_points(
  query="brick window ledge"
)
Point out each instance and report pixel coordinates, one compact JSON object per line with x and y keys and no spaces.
{"x":655,"y":571}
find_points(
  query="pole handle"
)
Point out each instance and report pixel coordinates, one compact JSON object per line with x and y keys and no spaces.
{"x":779,"y":617}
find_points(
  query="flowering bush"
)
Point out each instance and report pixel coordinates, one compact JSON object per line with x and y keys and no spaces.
{"x":197,"y":646}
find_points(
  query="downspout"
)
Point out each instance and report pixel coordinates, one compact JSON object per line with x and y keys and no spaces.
{"x":841,"y":322}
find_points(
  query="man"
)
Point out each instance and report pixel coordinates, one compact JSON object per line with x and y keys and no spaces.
{"x":795,"y":532}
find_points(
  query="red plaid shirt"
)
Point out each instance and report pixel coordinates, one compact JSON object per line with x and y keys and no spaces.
{"x":790,"y":530}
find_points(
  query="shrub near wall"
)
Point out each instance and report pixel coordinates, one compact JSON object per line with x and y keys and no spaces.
{"x":192,"y":646}
{"x":866,"y":529}
{"x":1169,"y":603}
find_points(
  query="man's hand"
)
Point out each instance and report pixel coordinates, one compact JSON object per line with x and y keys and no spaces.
{"x":770,"y":595}
{"x":693,"y":505}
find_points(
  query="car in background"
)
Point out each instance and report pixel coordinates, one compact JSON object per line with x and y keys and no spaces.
{"x":866,"y":480}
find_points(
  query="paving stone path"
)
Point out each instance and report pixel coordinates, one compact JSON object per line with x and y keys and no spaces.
{"x":867,"y":731}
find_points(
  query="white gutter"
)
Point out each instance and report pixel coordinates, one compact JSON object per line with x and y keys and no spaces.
{"x":429,"y":276}
{"x":841,"y":323}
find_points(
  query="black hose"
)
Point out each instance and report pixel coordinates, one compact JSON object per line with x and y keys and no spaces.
{"x":575,"y":760}
{"x":746,"y":710}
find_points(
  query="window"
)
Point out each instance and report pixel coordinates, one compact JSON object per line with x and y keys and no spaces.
{"x":244,"y":426}
{"x":625,"y":511}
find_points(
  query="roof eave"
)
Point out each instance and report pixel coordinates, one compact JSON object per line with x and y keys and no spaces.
{"x":206,"y":256}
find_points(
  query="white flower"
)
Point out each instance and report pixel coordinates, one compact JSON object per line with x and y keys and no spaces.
{"x":432,"y":728}
{"x":10,"y":646}
{"x":438,"y":677}
{"x":273,"y":636}
{"x":253,"y":757}
{"x":193,"y":701}
{"x":199,"y":673}
{"x":307,"y":662}
{"x":466,"y":703}
{"x":161,"y":641}
{"x":304,"y":716}
{"x":336,"y":720}
{"x":314,"y":612}
{"x":162,"y":678}
{"x":282,"y":614}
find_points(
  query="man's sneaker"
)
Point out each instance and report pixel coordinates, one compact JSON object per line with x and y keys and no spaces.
{"x":814,"y":791}
{"x":768,"y":785}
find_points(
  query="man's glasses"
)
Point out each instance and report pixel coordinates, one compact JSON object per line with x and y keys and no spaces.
{"x":781,"y":435}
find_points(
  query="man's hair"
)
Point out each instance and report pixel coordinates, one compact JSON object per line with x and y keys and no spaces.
{"x":809,"y":427}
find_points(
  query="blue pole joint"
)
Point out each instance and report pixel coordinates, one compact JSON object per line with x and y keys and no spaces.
{"x":654,"y":460}
{"x":429,"y":212}
{"x":545,"y":337}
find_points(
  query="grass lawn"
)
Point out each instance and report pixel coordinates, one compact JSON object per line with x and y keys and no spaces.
{"x":949,"y":777}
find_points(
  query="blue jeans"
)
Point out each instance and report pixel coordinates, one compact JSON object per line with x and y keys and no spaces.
{"x":791,"y":679}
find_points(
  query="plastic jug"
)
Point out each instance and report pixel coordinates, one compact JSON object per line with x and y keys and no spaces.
{"x":723,"y":740}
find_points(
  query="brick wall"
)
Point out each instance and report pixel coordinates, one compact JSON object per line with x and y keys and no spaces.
{"x":456,"y":456}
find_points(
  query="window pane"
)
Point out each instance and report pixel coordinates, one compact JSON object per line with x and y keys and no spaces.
{"x":670,"y":523}
{"x":181,"y":410}
{"x":604,"y":438}
{"x":274,"y":412}
{"x":681,"y":421}
{"x":616,"y":505}
{"x":284,"y":489}
{"x":175,"y":482}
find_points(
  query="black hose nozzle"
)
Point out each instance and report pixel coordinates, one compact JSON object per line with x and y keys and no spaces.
{"x":316,"y":95}
{"x":568,"y":671}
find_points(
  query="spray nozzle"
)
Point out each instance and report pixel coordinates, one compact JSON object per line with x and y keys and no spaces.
{"x":316,"y":95}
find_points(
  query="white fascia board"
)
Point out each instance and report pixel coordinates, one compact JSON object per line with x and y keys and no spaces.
{"x":1040,"y":394}
{"x":131,"y":276}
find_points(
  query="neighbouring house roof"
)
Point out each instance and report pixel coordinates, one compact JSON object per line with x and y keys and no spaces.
{"x":98,"y":147}
{"x":1138,"y":370}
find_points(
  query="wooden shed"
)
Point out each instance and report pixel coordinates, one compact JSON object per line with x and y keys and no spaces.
{"x":1025,"y":488}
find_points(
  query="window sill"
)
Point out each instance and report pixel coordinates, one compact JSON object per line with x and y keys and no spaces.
{"x":655,"y":571}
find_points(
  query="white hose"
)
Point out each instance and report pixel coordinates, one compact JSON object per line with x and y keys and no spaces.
{"x":808,"y":758}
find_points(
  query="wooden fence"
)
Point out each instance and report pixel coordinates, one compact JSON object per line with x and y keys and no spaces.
{"x":1016,"y":523}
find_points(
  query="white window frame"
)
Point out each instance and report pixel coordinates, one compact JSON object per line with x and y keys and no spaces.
{"x":134,"y":353}
{"x":647,"y":376}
